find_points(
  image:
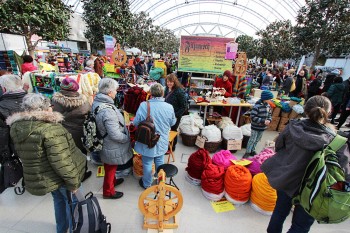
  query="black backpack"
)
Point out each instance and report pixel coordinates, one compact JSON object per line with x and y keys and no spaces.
{"x":146,"y":131}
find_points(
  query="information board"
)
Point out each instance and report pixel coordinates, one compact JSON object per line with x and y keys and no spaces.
{"x":203,"y":55}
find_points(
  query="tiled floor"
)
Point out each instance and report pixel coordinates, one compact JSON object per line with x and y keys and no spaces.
{"x":34,"y":214}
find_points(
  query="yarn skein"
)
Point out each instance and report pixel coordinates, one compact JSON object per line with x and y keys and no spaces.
{"x":213,"y":179}
{"x":197,"y":162}
{"x":263,"y":155}
{"x":223,"y":158}
{"x":254,"y":167}
{"x":238,"y":181}
{"x":263,"y":196}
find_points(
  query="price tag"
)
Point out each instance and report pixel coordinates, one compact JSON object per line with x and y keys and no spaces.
{"x":200,"y":141}
{"x":234,"y":144}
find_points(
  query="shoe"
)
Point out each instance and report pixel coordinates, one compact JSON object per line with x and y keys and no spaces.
{"x":141,"y":184}
{"x":119,"y":181}
{"x":117,"y":195}
{"x":246,"y":155}
{"x":86,"y":175}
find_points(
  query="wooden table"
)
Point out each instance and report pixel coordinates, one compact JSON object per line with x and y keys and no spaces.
{"x":206,"y":104}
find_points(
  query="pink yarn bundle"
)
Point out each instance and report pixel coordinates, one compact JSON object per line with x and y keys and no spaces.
{"x":258,"y":159}
{"x":223,"y":158}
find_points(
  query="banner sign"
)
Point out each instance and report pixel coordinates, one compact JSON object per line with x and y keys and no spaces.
{"x":231,"y":50}
{"x":109,"y":44}
{"x":204,"y":54}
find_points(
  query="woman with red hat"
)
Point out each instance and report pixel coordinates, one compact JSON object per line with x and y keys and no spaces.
{"x":225,"y":83}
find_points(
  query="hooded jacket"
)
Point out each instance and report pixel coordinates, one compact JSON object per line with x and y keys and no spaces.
{"x":74,"y":107}
{"x":116,"y":149}
{"x":336,"y":93}
{"x":295,"y":146}
{"x":48,"y":153}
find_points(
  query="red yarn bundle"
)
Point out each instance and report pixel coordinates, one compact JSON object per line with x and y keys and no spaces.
{"x":133,"y":98}
{"x":213,"y":179}
{"x":197,"y":162}
{"x":238,"y":182}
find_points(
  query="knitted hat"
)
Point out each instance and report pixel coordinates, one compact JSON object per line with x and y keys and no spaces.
{"x":227,"y":73}
{"x":69,"y":84}
{"x":266,"y":95}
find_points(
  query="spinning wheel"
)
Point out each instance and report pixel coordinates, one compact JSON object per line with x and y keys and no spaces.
{"x":241,"y":64}
{"x":119,"y":56}
{"x":160,"y":203}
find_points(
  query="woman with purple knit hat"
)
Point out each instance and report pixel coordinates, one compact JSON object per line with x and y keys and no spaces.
{"x":74,"y":107}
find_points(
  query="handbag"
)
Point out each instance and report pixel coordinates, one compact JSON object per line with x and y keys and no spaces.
{"x":11,"y":172}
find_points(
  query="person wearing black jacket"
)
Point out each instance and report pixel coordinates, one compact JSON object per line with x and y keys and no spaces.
{"x":298,"y":84}
{"x":314,"y":86}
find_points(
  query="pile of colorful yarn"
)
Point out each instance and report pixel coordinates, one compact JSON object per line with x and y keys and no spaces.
{"x":223,"y":158}
{"x":238,"y":181}
{"x":213,"y":182}
{"x":196,"y":164}
{"x":263,"y":196}
{"x":258,"y":159}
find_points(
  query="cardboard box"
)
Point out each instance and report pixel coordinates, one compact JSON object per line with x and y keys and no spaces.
{"x":276,"y":112}
{"x":285,"y":114}
{"x":282,"y":124}
{"x":234,"y":144}
{"x":274,"y":124}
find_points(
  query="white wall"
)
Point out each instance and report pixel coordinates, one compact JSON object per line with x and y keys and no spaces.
{"x":340,"y":62}
{"x":12,"y":42}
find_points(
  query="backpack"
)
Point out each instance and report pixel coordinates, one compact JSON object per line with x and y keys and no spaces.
{"x":87,"y":216}
{"x":146,"y":131}
{"x":324,"y":194}
{"x":92,"y":139}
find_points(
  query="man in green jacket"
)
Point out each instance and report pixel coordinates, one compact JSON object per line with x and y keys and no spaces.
{"x":51,"y":161}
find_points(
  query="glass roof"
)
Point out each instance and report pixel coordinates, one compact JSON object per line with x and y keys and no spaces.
{"x":225,"y":18}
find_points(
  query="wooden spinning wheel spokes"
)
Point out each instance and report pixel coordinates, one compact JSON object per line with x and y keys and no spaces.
{"x":156,"y":203}
{"x":119,"y":56}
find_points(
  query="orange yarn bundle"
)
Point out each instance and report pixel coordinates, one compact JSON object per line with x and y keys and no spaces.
{"x":263,"y":195}
{"x":238,"y":181}
{"x":137,"y":168}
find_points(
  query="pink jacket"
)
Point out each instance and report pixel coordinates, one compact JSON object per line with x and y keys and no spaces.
{"x":28,"y":66}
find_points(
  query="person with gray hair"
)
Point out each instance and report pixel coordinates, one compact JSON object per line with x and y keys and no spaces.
{"x":163,"y":116}
{"x":89,"y":66}
{"x":10,"y":102}
{"x":116,"y":150}
{"x":51,"y":161}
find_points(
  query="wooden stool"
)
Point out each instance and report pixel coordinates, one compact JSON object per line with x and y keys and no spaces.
{"x":172,"y":136}
{"x":170,"y":171}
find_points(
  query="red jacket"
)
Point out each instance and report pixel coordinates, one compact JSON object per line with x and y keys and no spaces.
{"x":224,"y":84}
{"x":28,"y":66}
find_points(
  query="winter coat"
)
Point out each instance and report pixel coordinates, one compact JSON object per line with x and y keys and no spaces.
{"x":328,"y":82}
{"x":177,"y":99}
{"x":74,"y":107}
{"x":227,"y":85}
{"x":259,"y":114}
{"x":287,"y":84}
{"x":163,"y":117}
{"x":116,"y":148}
{"x":314,"y":86}
{"x":267,"y":81}
{"x":28,"y":66}
{"x":48,"y":152}
{"x":295,"y":146}
{"x":336,"y":92}
{"x":9,"y":103}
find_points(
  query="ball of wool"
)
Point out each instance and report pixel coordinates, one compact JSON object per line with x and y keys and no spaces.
{"x":263,"y":155}
{"x":212,"y":133}
{"x":246,"y":130}
{"x":197,"y":162}
{"x":254,"y":167}
{"x":238,"y":182}
{"x":263,"y":195}
{"x":223,"y":158}
{"x":232,"y":132}
{"x":225,"y":121}
{"x":191,"y":124}
{"x":213,"y":179}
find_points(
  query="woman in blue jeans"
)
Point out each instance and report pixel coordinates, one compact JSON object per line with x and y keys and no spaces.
{"x":295,"y":146}
{"x":52,"y":163}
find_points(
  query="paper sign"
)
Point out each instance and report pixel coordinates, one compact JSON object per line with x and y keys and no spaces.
{"x":100,"y":171}
{"x":200,"y":141}
{"x":234,"y":144}
{"x":242,"y":162}
{"x":222,"y":206}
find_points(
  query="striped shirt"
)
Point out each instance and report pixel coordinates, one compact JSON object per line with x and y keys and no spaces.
{"x":259,"y":114}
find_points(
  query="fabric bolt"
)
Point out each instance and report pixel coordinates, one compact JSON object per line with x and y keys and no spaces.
{"x":197,"y":162}
{"x":109,"y":180}
{"x":223,"y":158}
{"x":262,"y":194}
{"x":213,"y":179}
{"x":253,"y":140}
{"x":238,"y":181}
{"x":212,"y":196}
{"x":212,"y":133}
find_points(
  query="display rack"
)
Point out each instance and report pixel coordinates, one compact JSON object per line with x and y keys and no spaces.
{"x":7,"y":61}
{"x":46,"y":84}
{"x":64,"y":65}
{"x":198,"y":84}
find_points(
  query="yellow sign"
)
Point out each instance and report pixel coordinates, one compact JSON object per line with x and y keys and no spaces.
{"x":100,"y":171}
{"x":242,"y":162}
{"x":204,"y":54}
{"x":222,"y":206}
